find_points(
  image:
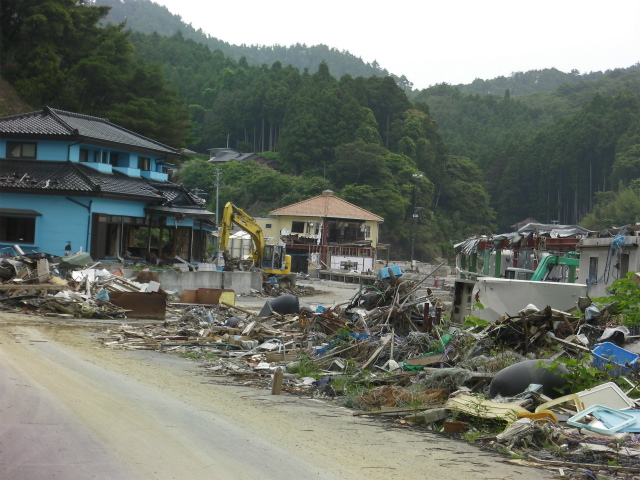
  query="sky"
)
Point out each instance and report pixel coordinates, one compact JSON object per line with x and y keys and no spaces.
{"x":431,"y":42}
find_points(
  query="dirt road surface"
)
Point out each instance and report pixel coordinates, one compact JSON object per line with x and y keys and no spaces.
{"x":72,"y":409}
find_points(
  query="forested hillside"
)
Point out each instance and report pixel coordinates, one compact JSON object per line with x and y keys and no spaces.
{"x":524,"y":83}
{"x":145,"y":16}
{"x":546,"y":154}
{"x":456,"y":159}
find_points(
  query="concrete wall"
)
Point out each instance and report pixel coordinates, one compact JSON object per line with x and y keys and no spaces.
{"x":599,"y":267}
{"x":501,"y":296}
{"x":240,"y":282}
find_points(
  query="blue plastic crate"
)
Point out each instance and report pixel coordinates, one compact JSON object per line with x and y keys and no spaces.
{"x":384,"y":272}
{"x":611,"y":354}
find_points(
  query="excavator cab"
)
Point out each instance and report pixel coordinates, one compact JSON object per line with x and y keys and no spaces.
{"x":273,"y":258}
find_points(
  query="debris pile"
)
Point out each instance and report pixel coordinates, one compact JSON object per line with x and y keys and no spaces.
{"x":73,"y":286}
{"x":510,"y":385}
{"x":553,"y":388}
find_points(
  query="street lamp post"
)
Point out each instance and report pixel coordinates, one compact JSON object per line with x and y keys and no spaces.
{"x":217,"y":172}
{"x":413,"y":233}
{"x":416,"y":209}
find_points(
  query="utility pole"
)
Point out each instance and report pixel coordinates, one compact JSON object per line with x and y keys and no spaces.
{"x":218,"y":172}
{"x":413,"y":234}
{"x":416,"y":209}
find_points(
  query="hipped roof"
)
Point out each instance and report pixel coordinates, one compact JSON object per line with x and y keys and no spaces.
{"x":51,"y":123}
{"x":327,"y":205}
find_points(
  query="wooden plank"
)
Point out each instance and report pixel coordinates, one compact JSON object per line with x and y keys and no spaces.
{"x":385,"y":340}
{"x":283,"y":357}
{"x":400,"y":410}
{"x":31,"y":288}
{"x":225,"y":304}
{"x":427,"y":360}
{"x":249,"y":328}
{"x":571,"y":344}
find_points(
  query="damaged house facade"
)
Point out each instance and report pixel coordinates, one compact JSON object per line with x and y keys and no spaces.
{"x":607,"y":256}
{"x":72,"y":182}
{"x":326,"y":232}
{"x":537,"y":264}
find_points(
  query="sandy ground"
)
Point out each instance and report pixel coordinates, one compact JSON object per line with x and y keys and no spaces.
{"x":72,"y":409}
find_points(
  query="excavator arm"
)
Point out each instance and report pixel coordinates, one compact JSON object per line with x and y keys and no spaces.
{"x":271,"y":258}
{"x":234,"y":215}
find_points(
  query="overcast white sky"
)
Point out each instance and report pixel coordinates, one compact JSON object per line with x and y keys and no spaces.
{"x":452,"y":41}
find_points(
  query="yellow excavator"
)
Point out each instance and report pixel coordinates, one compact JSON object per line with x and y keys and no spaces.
{"x":272,"y":259}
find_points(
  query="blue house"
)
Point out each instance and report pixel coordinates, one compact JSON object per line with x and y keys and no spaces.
{"x":70,"y":182}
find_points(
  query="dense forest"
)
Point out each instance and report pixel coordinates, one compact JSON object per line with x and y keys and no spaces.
{"x":466,"y":163}
{"x":145,"y":16}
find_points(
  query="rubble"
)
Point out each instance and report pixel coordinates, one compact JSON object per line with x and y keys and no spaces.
{"x":389,"y":352}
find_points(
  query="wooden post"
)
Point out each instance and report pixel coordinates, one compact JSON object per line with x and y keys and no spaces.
{"x":276,"y":388}
{"x":438,"y":316}
{"x":523,"y":316}
{"x":426,"y":319}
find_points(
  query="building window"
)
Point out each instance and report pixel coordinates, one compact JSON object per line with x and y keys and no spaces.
{"x":367,"y":231}
{"x":113,"y":159}
{"x":144,"y":163}
{"x":593,"y":270}
{"x":297,"y":227}
{"x":624,"y":265}
{"x":17,"y":229}
{"x":267,"y":226}
{"x":84,"y":155}
{"x":21,"y":150}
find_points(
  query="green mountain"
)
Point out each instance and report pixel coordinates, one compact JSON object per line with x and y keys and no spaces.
{"x":548,"y":154}
{"x":145,"y":16}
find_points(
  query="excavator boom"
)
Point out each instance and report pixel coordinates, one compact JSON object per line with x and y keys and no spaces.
{"x":234,"y":215}
{"x":271,"y":258}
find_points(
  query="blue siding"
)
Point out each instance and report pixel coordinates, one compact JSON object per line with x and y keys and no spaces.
{"x":68,"y":220}
{"x":155,"y":176}
{"x":64,"y":221}
{"x":98,"y":158}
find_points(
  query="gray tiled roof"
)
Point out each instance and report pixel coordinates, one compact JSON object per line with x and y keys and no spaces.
{"x":53,"y":122}
{"x":178,"y":196}
{"x":34,"y":176}
{"x":38,"y":175}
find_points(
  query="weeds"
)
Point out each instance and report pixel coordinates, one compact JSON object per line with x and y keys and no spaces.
{"x":627,"y":295}
{"x":471,"y":436}
{"x":304,"y":368}
{"x":555,"y":450}
{"x":581,"y":374}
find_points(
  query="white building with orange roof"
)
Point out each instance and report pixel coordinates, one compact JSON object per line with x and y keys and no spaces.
{"x":326,"y":233}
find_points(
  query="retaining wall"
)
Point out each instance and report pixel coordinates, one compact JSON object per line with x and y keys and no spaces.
{"x":240,"y":282}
